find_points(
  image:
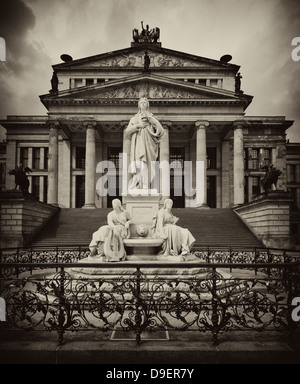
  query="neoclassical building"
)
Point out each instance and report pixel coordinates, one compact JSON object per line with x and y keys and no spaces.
{"x":198,"y":101}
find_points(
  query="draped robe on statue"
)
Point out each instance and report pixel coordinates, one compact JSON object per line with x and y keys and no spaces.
{"x":177,"y":240}
{"x":109,"y":238}
{"x":144,"y":147}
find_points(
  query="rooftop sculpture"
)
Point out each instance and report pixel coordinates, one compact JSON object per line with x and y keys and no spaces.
{"x":146,"y":35}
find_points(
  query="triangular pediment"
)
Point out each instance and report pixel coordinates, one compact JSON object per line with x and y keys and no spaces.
{"x":150,"y":86}
{"x":134,"y":58}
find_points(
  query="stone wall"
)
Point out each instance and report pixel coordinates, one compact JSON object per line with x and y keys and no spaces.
{"x":269,"y":219}
{"x":21,"y":218}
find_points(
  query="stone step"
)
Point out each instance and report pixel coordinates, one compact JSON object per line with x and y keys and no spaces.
{"x":210,"y":227}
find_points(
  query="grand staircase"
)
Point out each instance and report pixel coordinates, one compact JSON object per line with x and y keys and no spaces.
{"x":210,"y":227}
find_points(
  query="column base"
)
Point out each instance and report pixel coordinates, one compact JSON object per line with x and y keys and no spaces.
{"x":89,"y":206}
{"x":203,"y":206}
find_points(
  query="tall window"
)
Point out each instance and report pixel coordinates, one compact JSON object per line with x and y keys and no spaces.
{"x":177,"y":157}
{"x":113,"y":178}
{"x":255,"y":185}
{"x":24,"y":157}
{"x":45,"y":196}
{"x":211,"y":156}
{"x":2,"y":176}
{"x":2,"y":149}
{"x":292,"y":173}
{"x":80,"y":157}
{"x":36,"y":186}
{"x":256,"y":158}
{"x":36,"y":153}
{"x":46,"y":152}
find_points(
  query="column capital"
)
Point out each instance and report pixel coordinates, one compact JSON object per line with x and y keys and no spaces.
{"x":90,"y":124}
{"x":201,"y":124}
{"x":166,"y":124}
{"x":53,"y":123}
{"x":238,"y":124}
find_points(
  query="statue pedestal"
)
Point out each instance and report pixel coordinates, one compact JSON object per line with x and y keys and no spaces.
{"x":143,"y":209}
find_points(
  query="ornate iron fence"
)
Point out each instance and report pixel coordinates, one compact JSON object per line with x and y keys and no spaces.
{"x":209,"y":296}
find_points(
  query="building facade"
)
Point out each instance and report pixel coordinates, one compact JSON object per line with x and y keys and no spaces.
{"x":197,"y":100}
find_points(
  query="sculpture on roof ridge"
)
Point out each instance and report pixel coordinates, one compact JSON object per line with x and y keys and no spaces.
{"x":146,"y":35}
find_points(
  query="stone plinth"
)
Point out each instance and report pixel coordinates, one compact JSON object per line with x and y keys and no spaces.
{"x":268,"y":216}
{"x":142,"y":209}
{"x":142,"y":248}
{"x":160,"y":268}
{"x":21,"y":218}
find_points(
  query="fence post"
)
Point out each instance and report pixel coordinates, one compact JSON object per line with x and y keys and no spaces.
{"x":61,"y":303}
{"x":214,"y":307}
{"x":138,"y":317}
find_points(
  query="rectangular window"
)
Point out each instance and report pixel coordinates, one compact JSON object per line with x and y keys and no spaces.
{"x":77,"y":83}
{"x":45,"y":195}
{"x":113,"y":156}
{"x":24,"y":157}
{"x":36,"y":153}
{"x":2,"y":176}
{"x":89,"y":81}
{"x":80,"y":157}
{"x":202,"y":82}
{"x":292,"y":173}
{"x":214,"y":82}
{"x":177,"y":157}
{"x":36,"y":186}
{"x":46,"y":152}
{"x":256,"y":158}
{"x":113,"y":178}
{"x":266,"y":156}
{"x":2,"y":149}
{"x":211,"y":156}
{"x":255,"y":185}
{"x":100,"y":81}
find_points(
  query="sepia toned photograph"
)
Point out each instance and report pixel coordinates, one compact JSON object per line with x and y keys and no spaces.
{"x":150,"y":184}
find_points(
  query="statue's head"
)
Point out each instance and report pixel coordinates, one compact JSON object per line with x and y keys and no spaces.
{"x":143,"y":103}
{"x":116,"y":203}
{"x":168,"y":203}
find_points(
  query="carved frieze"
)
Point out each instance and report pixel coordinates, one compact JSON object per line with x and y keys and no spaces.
{"x":153,"y":91}
{"x":157,"y":60}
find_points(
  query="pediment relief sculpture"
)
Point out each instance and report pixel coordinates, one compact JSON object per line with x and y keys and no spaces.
{"x":153,"y":91}
{"x":158,"y":60}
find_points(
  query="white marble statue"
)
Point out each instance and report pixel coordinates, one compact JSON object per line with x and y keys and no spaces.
{"x":145,"y":131}
{"x":107,"y":242}
{"x":177,"y":241}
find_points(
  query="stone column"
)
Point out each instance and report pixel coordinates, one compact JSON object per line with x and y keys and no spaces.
{"x":164,"y":156}
{"x":53,"y":163}
{"x":201,"y":156}
{"x":11,"y":157}
{"x":238,"y":164}
{"x":126,"y":176}
{"x":90,"y":165}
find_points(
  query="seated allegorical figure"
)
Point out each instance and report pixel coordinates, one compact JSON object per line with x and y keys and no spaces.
{"x":108,"y":240}
{"x":177,"y":241}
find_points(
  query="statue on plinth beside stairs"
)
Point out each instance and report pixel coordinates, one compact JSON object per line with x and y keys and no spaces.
{"x":145,"y":132}
{"x":107,"y":242}
{"x":177,"y":241}
{"x":271,"y":177}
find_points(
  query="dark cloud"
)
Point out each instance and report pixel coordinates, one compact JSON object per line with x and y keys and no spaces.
{"x":16,"y":19}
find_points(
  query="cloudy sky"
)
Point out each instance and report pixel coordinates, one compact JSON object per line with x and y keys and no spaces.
{"x":257,"y":33}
